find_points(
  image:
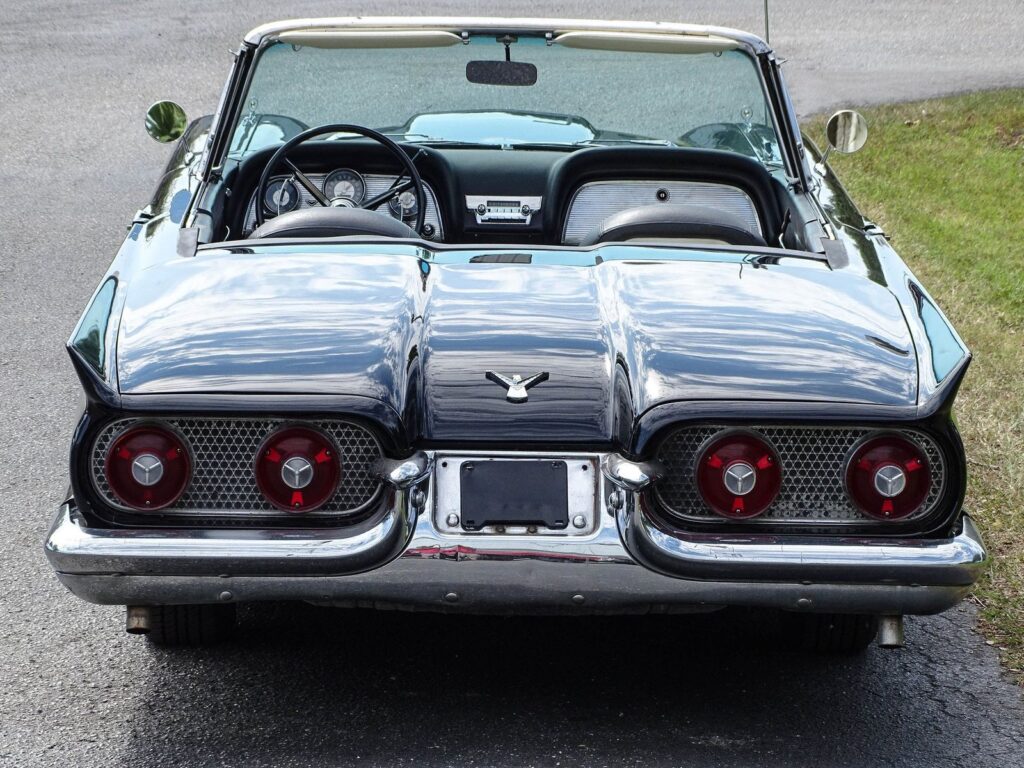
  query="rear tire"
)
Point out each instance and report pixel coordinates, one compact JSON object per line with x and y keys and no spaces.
{"x":837,"y":633}
{"x":190,"y":625}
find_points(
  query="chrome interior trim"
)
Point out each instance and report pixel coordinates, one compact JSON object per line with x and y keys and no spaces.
{"x":375,"y":185}
{"x":595,"y":201}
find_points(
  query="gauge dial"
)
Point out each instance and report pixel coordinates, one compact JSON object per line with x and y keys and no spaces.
{"x":404,"y":205}
{"x":281,"y":196}
{"x":345,"y":183}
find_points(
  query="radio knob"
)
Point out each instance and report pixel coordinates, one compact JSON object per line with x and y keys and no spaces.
{"x":526,"y":210}
{"x":481,"y":209}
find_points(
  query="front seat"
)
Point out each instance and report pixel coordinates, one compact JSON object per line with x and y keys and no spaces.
{"x":332,"y":222}
{"x":674,"y":222}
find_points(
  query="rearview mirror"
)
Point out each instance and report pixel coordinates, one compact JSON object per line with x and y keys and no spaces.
{"x":165,"y":121}
{"x":846,"y":132}
{"x":501,"y":72}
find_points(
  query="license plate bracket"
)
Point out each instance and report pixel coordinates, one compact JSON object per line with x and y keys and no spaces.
{"x":514,"y":493}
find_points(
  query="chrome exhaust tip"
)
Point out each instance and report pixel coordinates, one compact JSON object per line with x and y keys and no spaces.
{"x":138,"y":620}
{"x":890,"y":632}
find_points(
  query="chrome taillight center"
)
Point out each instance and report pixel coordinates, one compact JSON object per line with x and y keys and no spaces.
{"x":890,"y":481}
{"x":740,"y":478}
{"x":297,"y":472}
{"x":147,"y":469}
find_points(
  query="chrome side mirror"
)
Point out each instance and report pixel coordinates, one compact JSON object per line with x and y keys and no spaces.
{"x":165,"y":121}
{"x":847,"y":132}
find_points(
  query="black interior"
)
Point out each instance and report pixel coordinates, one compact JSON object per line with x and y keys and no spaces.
{"x":455,"y":172}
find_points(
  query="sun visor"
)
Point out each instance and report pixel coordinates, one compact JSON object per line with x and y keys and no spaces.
{"x":344,"y":38}
{"x":645,"y":42}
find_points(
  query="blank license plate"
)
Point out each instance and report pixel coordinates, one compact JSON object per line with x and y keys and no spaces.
{"x":514,"y":493}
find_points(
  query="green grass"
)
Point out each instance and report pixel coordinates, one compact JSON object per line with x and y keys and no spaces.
{"x":945,"y":179}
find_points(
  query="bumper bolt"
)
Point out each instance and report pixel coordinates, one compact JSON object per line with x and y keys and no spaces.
{"x":615,"y":500}
{"x":579,"y":521}
{"x":579,"y":599}
{"x":452,"y":520}
{"x":451,"y":597}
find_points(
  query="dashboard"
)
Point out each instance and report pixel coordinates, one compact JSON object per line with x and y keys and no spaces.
{"x":537,"y":197}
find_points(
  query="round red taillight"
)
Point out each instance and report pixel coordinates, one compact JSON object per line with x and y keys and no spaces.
{"x":887,"y":477}
{"x":148,"y":467}
{"x":297,"y":469}
{"x":738,"y":475}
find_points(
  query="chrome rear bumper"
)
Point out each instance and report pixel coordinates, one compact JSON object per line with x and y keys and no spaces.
{"x":624,"y":564}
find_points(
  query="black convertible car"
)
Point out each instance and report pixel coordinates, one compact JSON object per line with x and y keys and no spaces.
{"x":514,"y":316}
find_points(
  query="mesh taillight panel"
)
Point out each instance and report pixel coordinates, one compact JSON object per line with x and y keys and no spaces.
{"x":813,"y":466}
{"x":223,"y":452}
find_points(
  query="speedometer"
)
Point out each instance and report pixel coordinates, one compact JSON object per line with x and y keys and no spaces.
{"x":346,"y":184}
{"x":281,"y":196}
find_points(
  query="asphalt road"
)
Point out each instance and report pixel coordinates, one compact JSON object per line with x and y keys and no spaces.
{"x":313,"y":687}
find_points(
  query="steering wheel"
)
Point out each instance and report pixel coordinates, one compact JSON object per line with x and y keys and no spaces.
{"x":413,"y":181}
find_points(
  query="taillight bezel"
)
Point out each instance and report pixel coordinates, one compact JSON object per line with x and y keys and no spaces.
{"x":881,"y":516}
{"x":178,"y":489}
{"x":267,"y":484}
{"x":772,"y":475}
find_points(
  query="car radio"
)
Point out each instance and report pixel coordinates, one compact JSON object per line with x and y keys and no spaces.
{"x":506,"y":210}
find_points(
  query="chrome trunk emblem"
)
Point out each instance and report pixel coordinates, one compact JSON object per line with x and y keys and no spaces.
{"x":517,"y":385}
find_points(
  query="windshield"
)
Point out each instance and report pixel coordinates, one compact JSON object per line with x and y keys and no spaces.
{"x":580,"y":97}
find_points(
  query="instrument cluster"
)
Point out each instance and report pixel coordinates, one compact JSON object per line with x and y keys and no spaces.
{"x":346,"y":187}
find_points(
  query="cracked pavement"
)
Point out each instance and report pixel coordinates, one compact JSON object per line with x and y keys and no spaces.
{"x":307,"y":686}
